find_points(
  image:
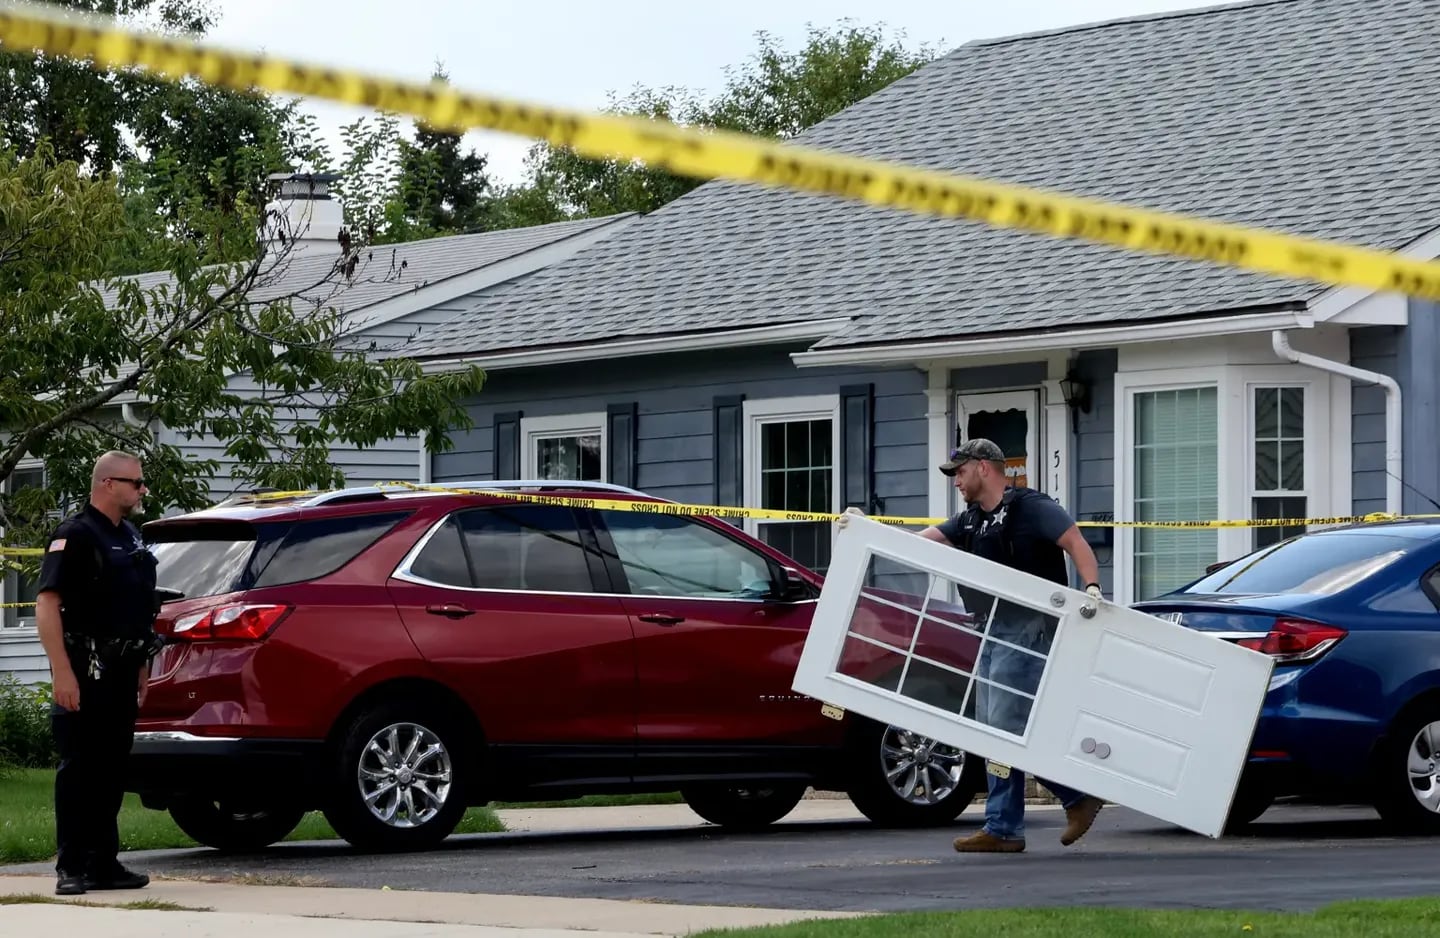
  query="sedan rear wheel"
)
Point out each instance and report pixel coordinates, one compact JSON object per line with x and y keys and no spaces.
{"x":1408,"y":783}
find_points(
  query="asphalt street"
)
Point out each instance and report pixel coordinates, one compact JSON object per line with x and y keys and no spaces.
{"x":1298,"y":858}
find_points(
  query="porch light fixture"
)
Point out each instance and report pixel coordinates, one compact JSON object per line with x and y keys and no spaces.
{"x":1075,"y":391}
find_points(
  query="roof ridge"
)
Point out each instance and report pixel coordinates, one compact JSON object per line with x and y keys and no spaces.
{"x":1212,"y":9}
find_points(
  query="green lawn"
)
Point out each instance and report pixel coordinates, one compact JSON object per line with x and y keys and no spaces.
{"x":1410,"y":918}
{"x":27,"y":825}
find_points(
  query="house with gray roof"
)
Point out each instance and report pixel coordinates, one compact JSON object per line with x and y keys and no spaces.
{"x":747,"y":345}
{"x":391,"y":292}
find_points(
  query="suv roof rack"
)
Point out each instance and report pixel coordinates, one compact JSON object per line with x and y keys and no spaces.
{"x":371,"y":492}
{"x":551,"y":484}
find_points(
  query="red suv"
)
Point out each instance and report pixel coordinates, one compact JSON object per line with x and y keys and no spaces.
{"x":391,"y":656}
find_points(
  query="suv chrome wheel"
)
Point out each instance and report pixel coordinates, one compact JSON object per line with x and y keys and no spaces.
{"x":920,"y":770}
{"x":405,"y":774}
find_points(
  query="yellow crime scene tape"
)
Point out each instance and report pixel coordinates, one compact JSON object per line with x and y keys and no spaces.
{"x":709,"y":154}
{"x":773,"y":514}
{"x":731,"y":512}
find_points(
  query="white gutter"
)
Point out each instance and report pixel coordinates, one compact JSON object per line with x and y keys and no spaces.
{"x":1393,"y":424}
{"x":732,"y":338}
{"x":1093,"y":337}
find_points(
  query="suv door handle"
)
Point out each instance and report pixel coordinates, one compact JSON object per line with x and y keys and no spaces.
{"x":661,"y":618}
{"x":450,"y":610}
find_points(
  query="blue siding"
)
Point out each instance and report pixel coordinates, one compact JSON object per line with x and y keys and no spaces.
{"x":1420,"y":406}
{"x":1374,"y":349}
{"x":675,"y":424}
{"x":1093,"y":454}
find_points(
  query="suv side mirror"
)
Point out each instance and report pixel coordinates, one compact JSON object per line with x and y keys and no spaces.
{"x":789,"y":586}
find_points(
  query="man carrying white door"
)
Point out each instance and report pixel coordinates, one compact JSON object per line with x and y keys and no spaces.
{"x":1031,"y":532}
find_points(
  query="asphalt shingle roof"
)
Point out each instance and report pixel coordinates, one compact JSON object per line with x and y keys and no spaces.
{"x":385,"y":272}
{"x":1310,"y":116}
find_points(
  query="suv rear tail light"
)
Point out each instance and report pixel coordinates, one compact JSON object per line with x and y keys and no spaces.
{"x":1294,"y":641}
{"x":246,"y":622}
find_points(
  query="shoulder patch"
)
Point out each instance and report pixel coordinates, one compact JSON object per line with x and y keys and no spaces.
{"x":57,"y":544}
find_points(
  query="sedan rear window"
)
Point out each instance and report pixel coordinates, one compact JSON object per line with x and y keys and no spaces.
{"x":1315,"y":564}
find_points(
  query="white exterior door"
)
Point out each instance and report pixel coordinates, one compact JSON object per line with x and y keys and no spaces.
{"x":1115,"y":703}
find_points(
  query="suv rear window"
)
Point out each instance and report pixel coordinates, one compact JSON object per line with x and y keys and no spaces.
{"x":1318,"y":564}
{"x":296,"y":551}
{"x":211,"y":558}
{"x":201,"y":560}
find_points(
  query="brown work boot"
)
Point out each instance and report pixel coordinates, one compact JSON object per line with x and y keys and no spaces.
{"x":985,"y":842}
{"x":1079,"y":818}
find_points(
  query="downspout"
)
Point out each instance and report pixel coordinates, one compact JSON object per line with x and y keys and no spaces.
{"x":1393,"y":469}
{"x":127,"y":413}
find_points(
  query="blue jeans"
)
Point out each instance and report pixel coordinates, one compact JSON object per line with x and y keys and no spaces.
{"x":1005,"y":801}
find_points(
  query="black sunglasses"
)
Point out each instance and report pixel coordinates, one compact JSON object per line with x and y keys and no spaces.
{"x":138,"y":483}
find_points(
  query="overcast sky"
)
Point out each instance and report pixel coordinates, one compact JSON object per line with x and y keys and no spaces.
{"x":571,"y":53}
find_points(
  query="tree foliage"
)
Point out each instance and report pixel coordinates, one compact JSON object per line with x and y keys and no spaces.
{"x":775,"y":93}
{"x":81,"y":342}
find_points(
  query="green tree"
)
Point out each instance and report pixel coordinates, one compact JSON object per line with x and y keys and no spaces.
{"x":80,"y":342}
{"x":775,"y":93}
{"x":441,"y":189}
{"x":87,"y":115}
{"x":191,"y":159}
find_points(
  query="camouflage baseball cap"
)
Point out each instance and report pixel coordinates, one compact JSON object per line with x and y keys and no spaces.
{"x":973,"y":449}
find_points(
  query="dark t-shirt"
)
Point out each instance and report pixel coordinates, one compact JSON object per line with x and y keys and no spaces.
{"x":1030,"y":521}
{"x":103,"y":574}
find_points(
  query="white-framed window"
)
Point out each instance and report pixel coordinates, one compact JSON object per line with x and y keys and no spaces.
{"x":792,"y":463}
{"x":1219,"y":442}
{"x":1279,"y":484}
{"x":14,"y":586}
{"x":1176,"y":477}
{"x":569,"y":447}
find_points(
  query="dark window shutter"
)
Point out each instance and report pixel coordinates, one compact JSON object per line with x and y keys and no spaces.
{"x":620,"y":443}
{"x":507,"y":445}
{"x":729,"y":450}
{"x":857,"y":447}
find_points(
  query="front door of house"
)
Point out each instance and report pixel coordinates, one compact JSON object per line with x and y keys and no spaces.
{"x":1010,"y":419}
{"x":1033,"y":675}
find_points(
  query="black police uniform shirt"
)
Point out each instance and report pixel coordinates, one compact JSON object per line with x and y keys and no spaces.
{"x":104,"y":575}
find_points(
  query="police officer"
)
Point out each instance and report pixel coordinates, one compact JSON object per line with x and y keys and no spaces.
{"x":1031,"y":532}
{"x":95,"y":613}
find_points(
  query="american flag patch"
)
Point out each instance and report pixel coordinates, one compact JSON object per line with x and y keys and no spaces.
{"x":57,"y":544}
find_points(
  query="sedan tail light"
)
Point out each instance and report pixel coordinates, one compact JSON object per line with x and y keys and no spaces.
{"x":1294,"y":641}
{"x":246,"y":622}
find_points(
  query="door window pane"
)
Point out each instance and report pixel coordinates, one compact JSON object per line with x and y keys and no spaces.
{"x":528,"y":547}
{"x":1176,"y":479}
{"x":670,"y":556}
{"x":573,"y":458}
{"x":1007,"y":429}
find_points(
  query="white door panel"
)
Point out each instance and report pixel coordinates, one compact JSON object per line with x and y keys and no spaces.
{"x":1116,"y":703}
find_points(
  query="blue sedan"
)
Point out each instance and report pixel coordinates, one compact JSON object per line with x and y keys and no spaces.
{"x":1352,"y":618}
